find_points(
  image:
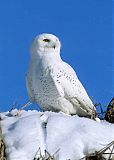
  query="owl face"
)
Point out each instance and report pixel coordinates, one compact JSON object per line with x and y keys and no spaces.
{"x":47,"y":43}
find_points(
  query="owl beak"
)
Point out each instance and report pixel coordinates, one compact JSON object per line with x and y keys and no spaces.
{"x":54,"y":46}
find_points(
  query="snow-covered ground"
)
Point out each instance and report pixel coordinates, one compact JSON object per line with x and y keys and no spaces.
{"x":64,"y":137}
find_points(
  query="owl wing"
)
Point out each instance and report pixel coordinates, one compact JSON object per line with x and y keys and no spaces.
{"x":73,"y":89}
{"x":29,"y":88}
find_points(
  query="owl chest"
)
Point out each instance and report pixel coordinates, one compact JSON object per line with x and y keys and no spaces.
{"x":44,"y":86}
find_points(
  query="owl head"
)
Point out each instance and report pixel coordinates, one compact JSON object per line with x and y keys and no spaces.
{"x":46,"y":43}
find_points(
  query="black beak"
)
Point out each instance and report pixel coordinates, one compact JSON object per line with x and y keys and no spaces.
{"x":54,"y":46}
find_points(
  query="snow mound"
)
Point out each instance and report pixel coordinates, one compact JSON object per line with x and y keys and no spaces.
{"x":62,"y":136}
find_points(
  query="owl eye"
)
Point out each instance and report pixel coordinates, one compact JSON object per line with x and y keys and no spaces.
{"x":46,"y":40}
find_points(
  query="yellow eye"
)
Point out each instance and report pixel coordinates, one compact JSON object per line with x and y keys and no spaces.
{"x":46,"y":40}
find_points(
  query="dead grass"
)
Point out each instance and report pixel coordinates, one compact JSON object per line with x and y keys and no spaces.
{"x":2,"y":147}
{"x":107,"y":151}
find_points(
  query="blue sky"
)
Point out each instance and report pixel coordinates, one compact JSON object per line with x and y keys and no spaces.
{"x":85,"y":30}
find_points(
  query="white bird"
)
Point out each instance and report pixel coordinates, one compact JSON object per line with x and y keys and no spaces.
{"x":52,"y":83}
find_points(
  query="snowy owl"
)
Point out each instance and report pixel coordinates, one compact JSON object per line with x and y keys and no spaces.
{"x":52,"y":83}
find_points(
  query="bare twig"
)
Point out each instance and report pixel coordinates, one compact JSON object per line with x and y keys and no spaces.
{"x":25,"y":105}
{"x":98,"y":155}
{"x":46,"y":156}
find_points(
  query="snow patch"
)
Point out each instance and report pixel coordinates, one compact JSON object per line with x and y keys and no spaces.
{"x":65,"y":137}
